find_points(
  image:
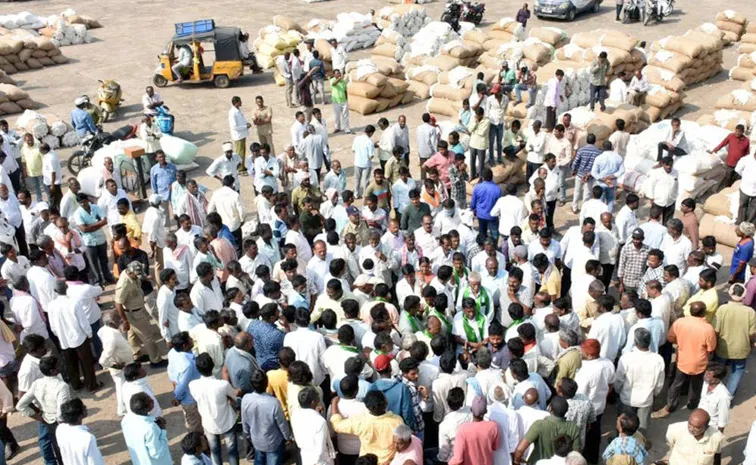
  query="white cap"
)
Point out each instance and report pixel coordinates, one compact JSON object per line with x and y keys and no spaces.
{"x":228,"y":147}
{"x":361,"y":280}
{"x":375,"y":281}
{"x":80,"y":101}
{"x":301,"y":175}
{"x":155,"y":199}
{"x":42,"y":206}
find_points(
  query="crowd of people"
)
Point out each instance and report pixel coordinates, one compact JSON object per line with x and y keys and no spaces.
{"x":423,"y":327}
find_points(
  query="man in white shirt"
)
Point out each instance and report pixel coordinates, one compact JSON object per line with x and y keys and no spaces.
{"x":69,"y":323}
{"x":227,"y":202}
{"x":41,"y":280}
{"x":676,"y":246}
{"x":626,"y":221}
{"x":663,"y":187}
{"x":284,"y":69}
{"x":239,"y":128}
{"x":298,"y":128}
{"x":108,"y":200}
{"x":715,"y":398}
{"x":267,"y":170}
{"x":52,"y":174}
{"x":457,"y":415}
{"x":554,"y":95}
{"x":310,"y":429}
{"x":535,"y":145}
{"x":225,"y":165}
{"x":87,"y":295}
{"x":638,"y":88}
{"x":206,"y":293}
{"x":639,"y":377}
{"x":427,"y":141}
{"x":136,"y":382}
{"x":594,"y":378}
{"x":747,"y":203}
{"x":510,"y":210}
{"x":620,"y":138}
{"x":27,"y":313}
{"x":618,"y":89}
{"x":77,"y":445}
{"x":364,"y":151}
{"x":308,"y":345}
{"x":116,"y":354}
{"x":215,"y":398}
{"x":314,"y":148}
{"x":675,"y":143}
{"x":318,"y":266}
{"x":608,"y":329}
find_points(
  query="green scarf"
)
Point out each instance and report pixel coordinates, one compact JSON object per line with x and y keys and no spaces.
{"x":482,"y":301}
{"x":444,"y":320}
{"x":381,"y":299}
{"x":469,"y":332}
{"x":427,"y":334}
{"x":349,"y":348}
{"x":413,"y":322}
{"x":457,"y":280}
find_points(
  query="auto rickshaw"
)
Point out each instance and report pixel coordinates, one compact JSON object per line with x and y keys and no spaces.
{"x":227,"y":66}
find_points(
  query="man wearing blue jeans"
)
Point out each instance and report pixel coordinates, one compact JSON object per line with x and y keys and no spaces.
{"x":263,"y":422}
{"x":735,"y":326}
{"x":607,"y":169}
{"x":484,"y":197}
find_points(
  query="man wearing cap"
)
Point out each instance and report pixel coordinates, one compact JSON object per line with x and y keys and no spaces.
{"x":129,"y":303}
{"x":81,"y":120}
{"x":226,"y":164}
{"x":632,"y":262}
{"x":162,"y":177}
{"x":476,"y":441}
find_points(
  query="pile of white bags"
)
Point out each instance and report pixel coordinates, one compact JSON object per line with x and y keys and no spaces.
{"x":732,"y":23}
{"x":700,"y":172}
{"x":691,"y":58}
{"x":376,"y":85}
{"x":453,"y":87}
{"x":23,"y":50}
{"x":729,"y":119}
{"x":276,"y":39}
{"x":505,"y":30}
{"x":745,"y":68}
{"x":54,"y":132}
{"x":68,"y":28}
{"x":391,"y":44}
{"x":353,"y":31}
{"x":621,"y":50}
{"x":406,"y":19}
{"x":428,"y":41}
{"x":14,"y":100}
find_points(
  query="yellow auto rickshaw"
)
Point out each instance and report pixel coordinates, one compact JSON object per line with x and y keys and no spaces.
{"x":186,"y":65}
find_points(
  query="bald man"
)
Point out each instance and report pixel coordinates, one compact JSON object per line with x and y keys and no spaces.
{"x":694,"y":441}
{"x":530,"y":412}
{"x":541,"y":433}
{"x":240,"y":364}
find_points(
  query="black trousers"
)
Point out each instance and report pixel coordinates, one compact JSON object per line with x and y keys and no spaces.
{"x":530,"y":169}
{"x":83,"y":356}
{"x":6,"y":435}
{"x":607,"y":270}
{"x":15,"y":178}
{"x":662,"y":147}
{"x":619,"y":11}
{"x":566,"y":280}
{"x":97,"y":260}
{"x":593,"y":441}
{"x":238,"y":238}
{"x":681,"y":380}
{"x":668,"y":212}
{"x":550,"y":209}
{"x":23,"y":249}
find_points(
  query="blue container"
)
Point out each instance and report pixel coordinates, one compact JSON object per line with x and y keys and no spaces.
{"x":195,"y":27}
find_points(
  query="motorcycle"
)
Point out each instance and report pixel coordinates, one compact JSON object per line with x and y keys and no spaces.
{"x":109,"y":98}
{"x":82,"y":158}
{"x":457,"y":11}
{"x":634,"y":10}
{"x":657,"y":10}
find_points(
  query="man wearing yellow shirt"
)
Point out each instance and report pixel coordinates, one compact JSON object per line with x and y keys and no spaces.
{"x":550,"y":277}
{"x":128,"y":218}
{"x":375,"y":428}
{"x":31,"y":158}
{"x":708,"y":294}
{"x":278,"y":379}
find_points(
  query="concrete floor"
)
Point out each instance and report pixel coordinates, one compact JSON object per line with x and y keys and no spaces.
{"x":126,"y":49}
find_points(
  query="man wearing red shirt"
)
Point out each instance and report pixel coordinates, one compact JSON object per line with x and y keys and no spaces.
{"x":738,"y":146}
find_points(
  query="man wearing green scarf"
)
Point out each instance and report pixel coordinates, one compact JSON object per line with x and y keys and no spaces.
{"x":479,"y":294}
{"x":470,"y":328}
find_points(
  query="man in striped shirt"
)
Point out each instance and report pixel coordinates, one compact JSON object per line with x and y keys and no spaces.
{"x":581,"y":169}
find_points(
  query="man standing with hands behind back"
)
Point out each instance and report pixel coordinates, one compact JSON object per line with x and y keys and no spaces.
{"x":239,"y":131}
{"x":263,"y":120}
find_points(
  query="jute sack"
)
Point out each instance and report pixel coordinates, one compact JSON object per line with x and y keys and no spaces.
{"x":492,"y":45}
{"x":25,"y":54}
{"x":59,"y":59}
{"x":664,"y":78}
{"x":10,"y":108}
{"x":421,"y":90}
{"x":448,"y":92}
{"x":426,"y":77}
{"x":587,"y":39}
{"x":501,"y":35}
{"x":739,"y":73}
{"x":751,"y":27}
{"x":672,"y":61}
{"x":440,"y":106}
{"x":324,"y":49}
{"x":724,"y":233}
{"x":717,"y":205}
{"x":508,"y":24}
{"x":364,"y":90}
{"x":13,"y":92}
{"x":732,"y":17}
{"x":287,"y":24}
{"x":539,"y":53}
{"x":741,"y":100}
{"x":54,"y":52}
{"x":617,"y":39}
{"x":518,"y":111}
{"x":658,"y":99}
{"x":682,"y":45}
{"x":750,"y":84}
{"x":489,"y":62}
{"x":727,"y":26}
{"x":387,"y":66}
{"x":386,"y":50}
{"x":749,"y":38}
{"x":475,"y":35}
{"x":710,"y":43}
{"x":550,"y":35}
{"x":362,"y":105}
{"x":443,"y":62}
{"x":615,"y":56}
{"x":374,"y":79}
{"x":502,"y":172}
{"x":598,"y":129}
{"x":747,"y":48}
{"x":39,"y":54}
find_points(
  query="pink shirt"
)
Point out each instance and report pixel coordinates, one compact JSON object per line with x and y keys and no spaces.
{"x":414,"y":452}
{"x":442,"y":164}
{"x":475,"y":443}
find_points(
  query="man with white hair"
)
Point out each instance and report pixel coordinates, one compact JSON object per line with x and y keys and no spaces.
{"x":153,"y":228}
{"x":116,"y":354}
{"x":575,"y":458}
{"x":226,"y":164}
{"x":314,"y":148}
{"x":408,"y":448}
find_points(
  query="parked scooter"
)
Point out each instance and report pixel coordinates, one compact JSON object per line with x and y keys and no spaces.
{"x":457,"y":11}
{"x":109,"y":98}
{"x":92,"y":143}
{"x":657,"y":10}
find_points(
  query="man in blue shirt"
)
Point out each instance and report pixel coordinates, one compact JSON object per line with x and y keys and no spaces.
{"x":145,"y":436}
{"x":91,"y":220}
{"x":484,"y":197}
{"x":81,"y":120}
{"x":241,"y":364}
{"x":607,"y":169}
{"x":318,"y":77}
{"x":581,"y":169}
{"x":182,"y":369}
{"x":267,"y":339}
{"x":162,"y":176}
{"x":263,"y":422}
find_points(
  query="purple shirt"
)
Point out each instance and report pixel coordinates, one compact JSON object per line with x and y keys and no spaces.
{"x":750,"y":295}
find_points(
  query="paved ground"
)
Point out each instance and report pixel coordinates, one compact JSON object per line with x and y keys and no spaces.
{"x":126,"y":50}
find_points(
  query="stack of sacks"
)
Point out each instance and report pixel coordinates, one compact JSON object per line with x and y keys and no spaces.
{"x":661,"y":103}
{"x":720,"y":214}
{"x":407,"y":20}
{"x":733,"y":24}
{"x":532,"y":52}
{"x":373,"y":87}
{"x":729,"y":119}
{"x":428,"y":41}
{"x":553,"y":36}
{"x":5,"y":79}
{"x":700,"y":172}
{"x":391,"y":44}
{"x":14,"y":100}
{"x":745,"y":68}
{"x":353,"y":31}
{"x":453,"y":87}
{"x":742,"y":100}
{"x":50,"y":130}
{"x":68,"y":28}
{"x":621,"y":50}
{"x":421,"y":79}
{"x":505,"y":30}
{"x":276,"y":39}
{"x":692,"y":58}
{"x":603,"y":123}
{"x":22,"y":51}
{"x":748,"y":40}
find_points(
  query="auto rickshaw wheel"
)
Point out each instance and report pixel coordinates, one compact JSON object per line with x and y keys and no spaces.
{"x":105,"y":115}
{"x":222,"y":81}
{"x":159,"y":81}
